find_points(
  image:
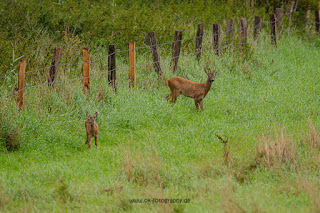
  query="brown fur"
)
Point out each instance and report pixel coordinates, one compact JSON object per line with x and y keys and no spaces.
{"x":191,"y":89}
{"x":92,"y":129}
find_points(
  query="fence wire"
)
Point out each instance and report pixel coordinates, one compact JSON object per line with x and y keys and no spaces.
{"x":149,"y":63}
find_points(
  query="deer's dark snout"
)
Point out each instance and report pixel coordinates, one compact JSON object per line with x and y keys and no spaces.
{"x":91,"y":121}
{"x":211,"y":78}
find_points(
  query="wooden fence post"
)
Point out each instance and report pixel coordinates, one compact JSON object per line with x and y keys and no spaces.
{"x":176,"y":50}
{"x":112,"y":74}
{"x":155,"y":53}
{"x":230,"y":31}
{"x":199,"y":39}
{"x":243,"y":32}
{"x":85,"y":70}
{"x":279,"y":14}
{"x":307,"y":18}
{"x":216,"y":40}
{"x":317,"y":20}
{"x":273,"y":27}
{"x":54,"y":66}
{"x":132,"y":65}
{"x":257,"y":26}
{"x":21,"y":76}
{"x":290,"y":8}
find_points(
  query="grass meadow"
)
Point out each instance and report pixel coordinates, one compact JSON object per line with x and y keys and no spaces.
{"x":254,"y":148}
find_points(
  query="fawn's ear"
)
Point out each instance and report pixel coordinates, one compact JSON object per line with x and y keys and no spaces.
{"x":87,"y":114}
{"x":95,"y":115}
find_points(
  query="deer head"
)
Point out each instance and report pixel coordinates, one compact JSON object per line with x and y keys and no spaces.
{"x":92,"y":118}
{"x":211,"y":74}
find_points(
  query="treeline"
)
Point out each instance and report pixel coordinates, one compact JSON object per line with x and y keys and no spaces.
{"x":32,"y":28}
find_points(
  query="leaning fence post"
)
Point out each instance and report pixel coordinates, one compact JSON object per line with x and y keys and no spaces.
{"x":155,"y":53}
{"x":132,"y":65}
{"x":54,"y":66}
{"x":112,"y":75}
{"x":216,"y":40}
{"x":230,"y":31}
{"x":85,"y":70}
{"x":243,"y":32}
{"x":257,"y":26}
{"x":279,"y":14}
{"x":176,"y":49}
{"x":273,"y":27}
{"x":21,"y":97}
{"x":199,"y":38}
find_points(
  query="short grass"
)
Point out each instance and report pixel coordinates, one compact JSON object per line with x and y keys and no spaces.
{"x":264,"y":106}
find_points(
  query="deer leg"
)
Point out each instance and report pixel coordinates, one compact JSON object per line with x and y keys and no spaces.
{"x":196,"y":103}
{"x":174,"y":97}
{"x":201,"y":104}
{"x":87,"y":138}
{"x":89,"y":142}
{"x":95,"y":138}
{"x":169,"y":96}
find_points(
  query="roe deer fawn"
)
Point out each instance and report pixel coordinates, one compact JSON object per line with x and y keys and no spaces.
{"x":92,"y":129}
{"x":191,"y":89}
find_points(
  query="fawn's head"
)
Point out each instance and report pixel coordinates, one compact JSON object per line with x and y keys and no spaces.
{"x":91,"y":119}
{"x":211,"y":74}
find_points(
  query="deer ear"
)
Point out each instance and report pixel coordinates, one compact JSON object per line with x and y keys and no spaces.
{"x":95,"y":115}
{"x":87,"y":114}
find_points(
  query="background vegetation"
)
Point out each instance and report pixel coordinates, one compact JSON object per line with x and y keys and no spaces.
{"x":31,"y":29}
{"x":256,"y":146}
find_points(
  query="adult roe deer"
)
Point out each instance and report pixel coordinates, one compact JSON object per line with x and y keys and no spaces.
{"x":191,"y":89}
{"x":92,"y":129}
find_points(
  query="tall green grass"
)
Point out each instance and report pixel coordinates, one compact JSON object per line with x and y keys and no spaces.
{"x":265,"y":106}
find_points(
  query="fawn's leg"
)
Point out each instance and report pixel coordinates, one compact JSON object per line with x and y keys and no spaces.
{"x":87,"y":138}
{"x":89,"y":141}
{"x":95,"y":138}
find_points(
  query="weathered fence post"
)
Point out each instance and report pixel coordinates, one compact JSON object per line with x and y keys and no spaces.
{"x":176,"y":50}
{"x":317,"y":20}
{"x":155,"y":53}
{"x":307,"y":18}
{"x":199,"y":39}
{"x":112,"y":75}
{"x":243,"y":32}
{"x":216,"y":40}
{"x":273,"y":27}
{"x":290,"y":8}
{"x":257,"y":27}
{"x":54,"y":66}
{"x":279,"y":14}
{"x":230,"y":31}
{"x":21,"y":76}
{"x":132,"y":65}
{"x":85,"y":70}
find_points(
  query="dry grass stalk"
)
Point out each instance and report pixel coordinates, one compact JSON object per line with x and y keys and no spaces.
{"x":226,"y":149}
{"x":313,"y":136}
{"x":276,"y":151}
